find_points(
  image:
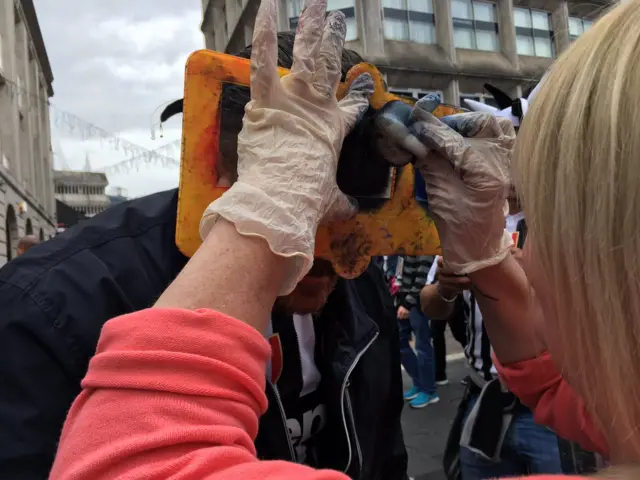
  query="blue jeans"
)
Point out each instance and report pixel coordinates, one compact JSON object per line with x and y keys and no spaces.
{"x":418,"y":364}
{"x":528,"y":448}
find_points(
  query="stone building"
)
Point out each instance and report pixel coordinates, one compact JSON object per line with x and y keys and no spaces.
{"x":452,"y":47}
{"x":117,"y":195}
{"x":85,"y":192}
{"x":27,"y":204}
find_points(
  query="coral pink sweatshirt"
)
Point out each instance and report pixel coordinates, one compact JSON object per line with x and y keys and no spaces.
{"x":174,"y":394}
{"x":539,"y":386}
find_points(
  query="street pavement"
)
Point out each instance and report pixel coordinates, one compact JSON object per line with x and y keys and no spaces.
{"x":426,"y":430}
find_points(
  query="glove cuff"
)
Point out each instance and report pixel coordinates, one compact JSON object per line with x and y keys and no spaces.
{"x":500,"y":253}
{"x":256,"y":214}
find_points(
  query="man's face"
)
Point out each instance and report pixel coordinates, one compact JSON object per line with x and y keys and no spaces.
{"x":312,"y":292}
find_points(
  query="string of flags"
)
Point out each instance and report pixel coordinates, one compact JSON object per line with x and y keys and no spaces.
{"x":151,"y":157}
{"x":167,"y":155}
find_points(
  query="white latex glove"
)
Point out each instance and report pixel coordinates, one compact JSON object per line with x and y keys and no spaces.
{"x":465,"y":164}
{"x":291,"y":138}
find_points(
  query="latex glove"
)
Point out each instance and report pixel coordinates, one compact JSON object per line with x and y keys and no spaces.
{"x":465,"y":163}
{"x":291,"y":138}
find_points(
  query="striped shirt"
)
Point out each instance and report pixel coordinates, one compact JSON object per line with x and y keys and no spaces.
{"x":415,"y":271}
{"x":478,"y":350}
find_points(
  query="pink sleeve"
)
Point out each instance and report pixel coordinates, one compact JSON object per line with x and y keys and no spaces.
{"x":555,"y":404}
{"x":172,"y":394}
{"x":548,"y":477}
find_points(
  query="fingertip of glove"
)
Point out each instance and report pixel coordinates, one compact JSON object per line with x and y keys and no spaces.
{"x":344,"y":208}
{"x":428,"y":103}
{"x":363,"y":83}
{"x":351,"y":207}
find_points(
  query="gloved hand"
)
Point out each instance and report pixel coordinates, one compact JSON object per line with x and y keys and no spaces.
{"x":465,"y":164}
{"x":291,"y":138}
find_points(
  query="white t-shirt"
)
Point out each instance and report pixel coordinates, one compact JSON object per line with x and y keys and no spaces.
{"x":293,"y":370}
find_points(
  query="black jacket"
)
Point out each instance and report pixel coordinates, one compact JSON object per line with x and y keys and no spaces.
{"x":55,"y":298}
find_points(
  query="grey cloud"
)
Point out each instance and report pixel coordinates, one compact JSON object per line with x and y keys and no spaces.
{"x":85,"y":85}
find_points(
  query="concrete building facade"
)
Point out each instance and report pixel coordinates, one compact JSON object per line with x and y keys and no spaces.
{"x":27,"y":204}
{"x":84,"y":192}
{"x":452,"y":47}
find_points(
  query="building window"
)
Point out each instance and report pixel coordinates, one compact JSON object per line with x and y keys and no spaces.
{"x":413,"y":93}
{"x":409,"y":21}
{"x":534,"y":34}
{"x":294,"y":7}
{"x":577,"y":26}
{"x":474,"y":25}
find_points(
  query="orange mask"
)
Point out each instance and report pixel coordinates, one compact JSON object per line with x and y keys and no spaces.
{"x":395,"y":221}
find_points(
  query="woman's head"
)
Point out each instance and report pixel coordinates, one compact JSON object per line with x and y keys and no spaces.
{"x":577,"y":171}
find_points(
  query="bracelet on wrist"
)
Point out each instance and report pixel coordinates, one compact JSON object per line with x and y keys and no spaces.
{"x":443,"y":297}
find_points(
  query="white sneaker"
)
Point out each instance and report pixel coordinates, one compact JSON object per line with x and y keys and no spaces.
{"x":441,"y":383}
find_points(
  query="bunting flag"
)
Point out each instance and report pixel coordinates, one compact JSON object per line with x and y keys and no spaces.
{"x":167,"y":155}
{"x":164,"y":156}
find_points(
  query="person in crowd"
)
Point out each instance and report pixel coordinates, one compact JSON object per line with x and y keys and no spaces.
{"x":159,"y":402}
{"x":522,"y":447}
{"x":582,"y":318}
{"x":574,"y":459}
{"x":541,"y":453}
{"x":570,"y":303}
{"x":388,"y":265}
{"x":419,"y":363}
{"x":334,"y":356}
{"x":493,"y":434}
{"x":391,"y":262}
{"x":26,"y":243}
{"x":457,"y":322}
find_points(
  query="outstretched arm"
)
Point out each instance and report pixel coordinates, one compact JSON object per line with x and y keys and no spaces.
{"x":437,"y":299}
{"x":510,"y":311}
{"x":241,"y":267}
{"x":176,"y":390}
{"x":512,"y":317}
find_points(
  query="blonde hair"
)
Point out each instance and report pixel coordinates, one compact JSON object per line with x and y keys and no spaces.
{"x":577,"y":171}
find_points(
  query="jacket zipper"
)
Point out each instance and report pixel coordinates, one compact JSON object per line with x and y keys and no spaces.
{"x":284,"y":422}
{"x":353,"y":426}
{"x":342,"y":403}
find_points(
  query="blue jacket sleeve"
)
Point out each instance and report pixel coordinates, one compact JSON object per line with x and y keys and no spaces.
{"x":54,"y":300}
{"x":38,"y":382}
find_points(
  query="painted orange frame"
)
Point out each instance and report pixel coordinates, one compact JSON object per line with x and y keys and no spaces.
{"x":401,"y":225}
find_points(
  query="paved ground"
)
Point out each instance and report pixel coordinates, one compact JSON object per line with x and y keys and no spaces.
{"x":426,"y":430}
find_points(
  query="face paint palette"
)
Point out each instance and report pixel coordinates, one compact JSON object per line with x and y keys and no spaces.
{"x":393,"y":217}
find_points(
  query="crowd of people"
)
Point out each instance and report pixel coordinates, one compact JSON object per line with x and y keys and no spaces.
{"x":253,"y":359}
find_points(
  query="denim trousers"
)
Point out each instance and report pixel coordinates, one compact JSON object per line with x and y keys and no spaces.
{"x":528,"y":448}
{"x":418,"y":363}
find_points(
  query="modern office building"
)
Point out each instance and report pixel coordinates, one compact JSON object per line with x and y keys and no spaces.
{"x":452,"y":47}
{"x":27,"y":204}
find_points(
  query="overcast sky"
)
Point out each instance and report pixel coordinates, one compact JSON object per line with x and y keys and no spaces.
{"x":115,"y":63}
